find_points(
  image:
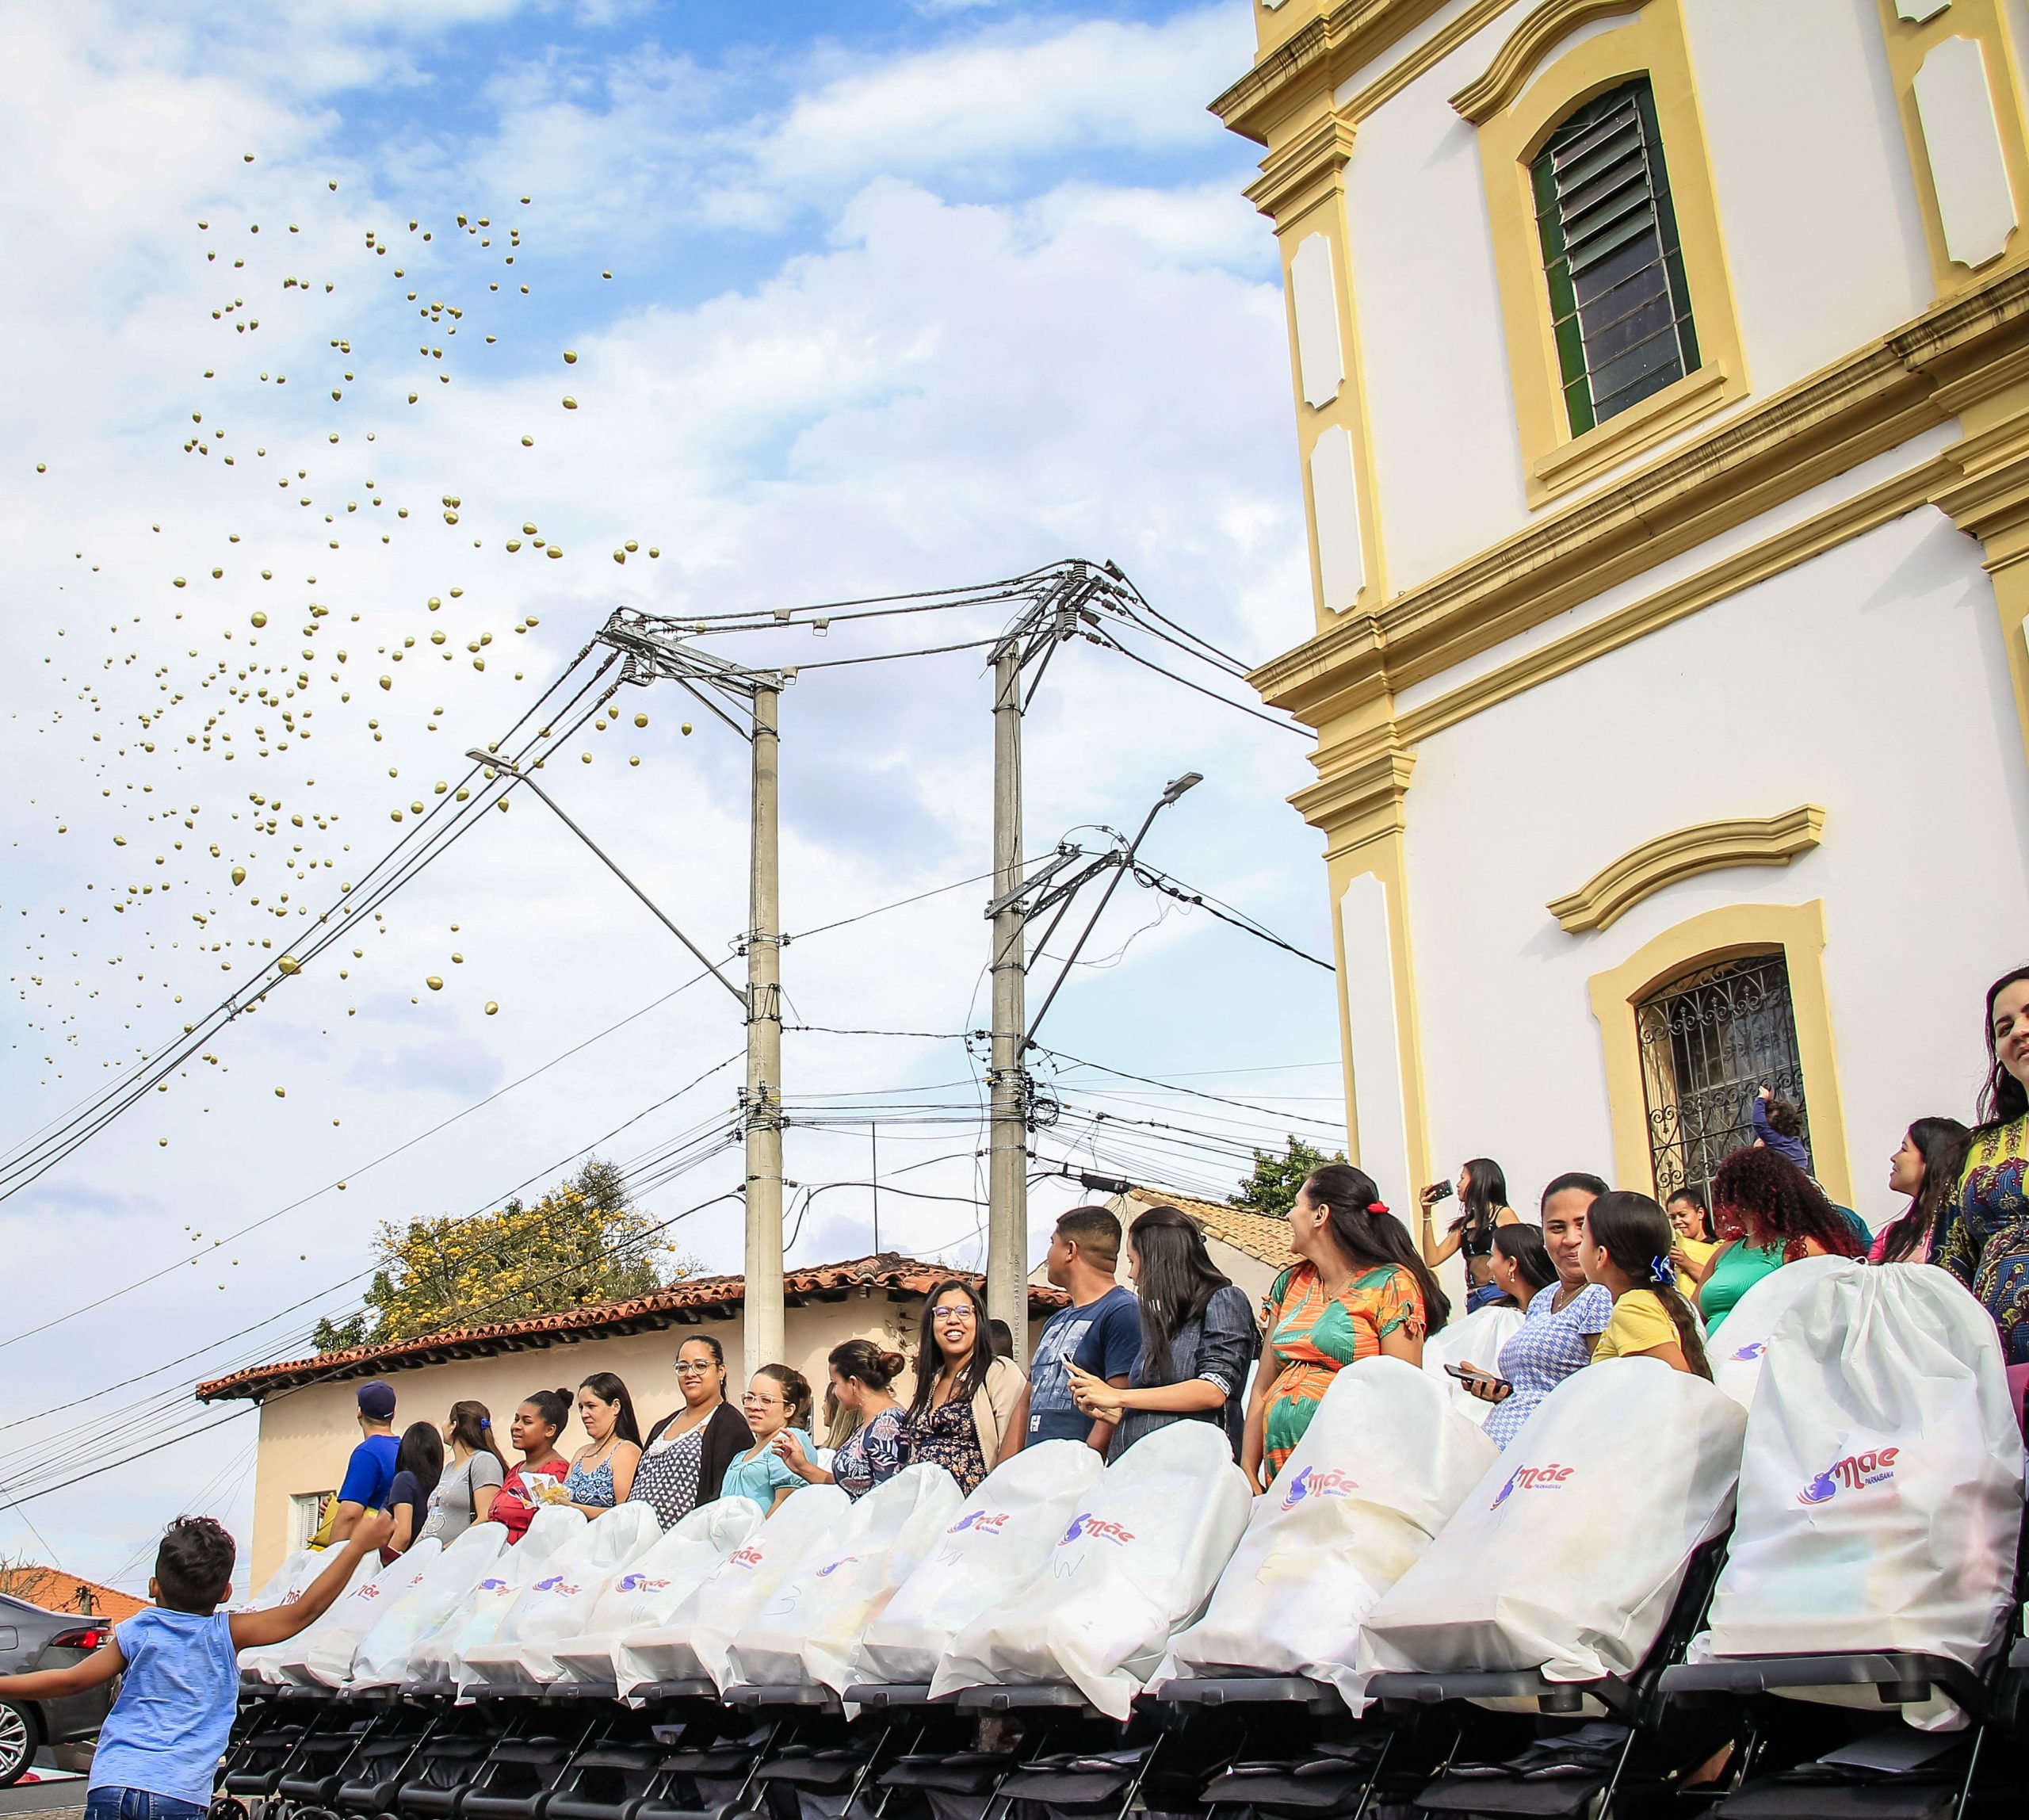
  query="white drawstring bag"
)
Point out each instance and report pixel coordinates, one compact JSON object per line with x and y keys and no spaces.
{"x":991,"y":1551}
{"x":1384,"y":1463}
{"x":1479,"y":1338}
{"x":436,"y":1656}
{"x":810,"y":1630}
{"x":1738,"y":1348}
{"x":1138,"y":1562}
{"x":1880,"y":1491}
{"x":555,"y":1604}
{"x":322,"y":1656}
{"x":1567,"y":1554}
{"x":287,"y":1583}
{"x":697,"y":1640}
{"x":643,"y":1597}
{"x":265,"y":1659}
{"x":383,"y":1657}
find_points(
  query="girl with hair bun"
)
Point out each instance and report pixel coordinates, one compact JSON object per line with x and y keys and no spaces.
{"x":538,"y":1479}
{"x":872,"y":1454}
{"x":777,"y":1401}
{"x":1627,"y":1252}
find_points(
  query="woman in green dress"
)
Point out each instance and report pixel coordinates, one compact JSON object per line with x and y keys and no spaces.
{"x":1357,"y":1290}
{"x":1771,"y":1213}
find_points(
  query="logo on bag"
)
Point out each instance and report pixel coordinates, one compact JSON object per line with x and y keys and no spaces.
{"x":492,"y":1586}
{"x":1753,"y":1349}
{"x":1876,"y":1466}
{"x":847,"y":1561}
{"x":641,"y":1583}
{"x":749,"y":1557}
{"x":1311,"y":1482}
{"x":986,"y":1522}
{"x":1531,"y":1478}
{"x":369,"y":1593}
{"x":1086,"y":1524}
{"x":556,"y":1584}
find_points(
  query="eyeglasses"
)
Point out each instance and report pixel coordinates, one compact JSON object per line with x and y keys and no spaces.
{"x":686,"y":1367}
{"x":953,"y":1314}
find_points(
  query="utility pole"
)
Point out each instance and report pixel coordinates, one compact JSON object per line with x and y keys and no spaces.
{"x":1007,"y":1168}
{"x":764,"y":1051}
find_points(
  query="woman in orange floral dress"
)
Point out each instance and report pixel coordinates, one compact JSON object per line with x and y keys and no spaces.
{"x":1357,"y":1290}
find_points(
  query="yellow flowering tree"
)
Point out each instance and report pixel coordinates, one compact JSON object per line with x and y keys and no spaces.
{"x":583,"y":1242}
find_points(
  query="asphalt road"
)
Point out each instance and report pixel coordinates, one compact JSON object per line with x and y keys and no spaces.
{"x":65,"y":1798}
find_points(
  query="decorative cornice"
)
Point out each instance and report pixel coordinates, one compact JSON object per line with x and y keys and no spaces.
{"x":1616,"y":888}
{"x":1516,"y":60}
{"x":1313,"y":160}
{"x":1344,"y":40}
{"x":1360,"y":801}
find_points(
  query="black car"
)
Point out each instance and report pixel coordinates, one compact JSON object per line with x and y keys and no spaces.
{"x":30,"y":1639}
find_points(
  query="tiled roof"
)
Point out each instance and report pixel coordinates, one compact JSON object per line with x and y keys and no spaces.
{"x":54,"y":1590}
{"x":682,"y":1304}
{"x":1264,"y":1237}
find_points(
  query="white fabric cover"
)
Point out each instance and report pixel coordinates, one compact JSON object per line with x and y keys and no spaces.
{"x":287,"y":1583}
{"x":1881,"y":1493}
{"x":1386,"y":1460}
{"x":555,"y":1605}
{"x":438,"y":1655}
{"x":322,"y":1655}
{"x":811,"y":1630}
{"x":698,"y":1639}
{"x":265,"y":1659}
{"x":644,"y":1595}
{"x":1137,"y":1562}
{"x":1738,"y":1348}
{"x":1479,"y":1337}
{"x":382,"y":1659}
{"x":1567,"y":1554}
{"x":992,"y":1551}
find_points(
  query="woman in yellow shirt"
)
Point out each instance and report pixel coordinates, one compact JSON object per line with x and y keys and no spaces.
{"x":1691,"y":1222}
{"x":1626,"y":1251}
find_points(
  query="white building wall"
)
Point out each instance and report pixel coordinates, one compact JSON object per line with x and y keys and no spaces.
{"x":1869,"y":680}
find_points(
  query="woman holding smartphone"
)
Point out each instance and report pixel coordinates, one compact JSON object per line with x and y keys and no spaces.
{"x":1563,"y":1323}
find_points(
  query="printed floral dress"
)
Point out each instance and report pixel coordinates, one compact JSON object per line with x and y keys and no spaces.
{"x":1985,"y":1240}
{"x":1314,"y":1335}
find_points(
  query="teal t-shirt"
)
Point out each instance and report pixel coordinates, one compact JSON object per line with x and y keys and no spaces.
{"x":760,"y":1479}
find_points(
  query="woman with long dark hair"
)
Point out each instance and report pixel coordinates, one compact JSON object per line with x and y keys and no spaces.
{"x":1925,"y":1167}
{"x":1984,"y":1240}
{"x":1627,"y":1250}
{"x":1197,"y":1334}
{"x":1522,"y":1266}
{"x":471,"y":1475}
{"x":685,"y":1461}
{"x":1771,"y":1213}
{"x":538,"y":1478}
{"x":1482,"y":1207}
{"x":418,"y":1466}
{"x":964,"y":1396}
{"x":1357,"y":1290}
{"x":602,"y":1470}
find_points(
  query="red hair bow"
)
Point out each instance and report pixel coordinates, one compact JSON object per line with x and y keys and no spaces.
{"x":1377,"y":1207}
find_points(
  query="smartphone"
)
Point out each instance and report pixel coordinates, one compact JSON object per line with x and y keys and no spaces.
{"x":1477,"y":1378}
{"x":1438,"y":1191}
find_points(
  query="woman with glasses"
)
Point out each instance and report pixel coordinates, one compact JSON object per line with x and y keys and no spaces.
{"x":776,"y":1403}
{"x":965,"y":1397}
{"x":684,"y":1463}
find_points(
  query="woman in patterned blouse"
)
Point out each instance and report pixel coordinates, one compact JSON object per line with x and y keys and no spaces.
{"x":1357,"y":1289}
{"x":1984,"y":1239}
{"x":871,"y":1454}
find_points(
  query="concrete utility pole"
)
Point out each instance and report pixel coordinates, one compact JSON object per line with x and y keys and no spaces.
{"x":1007,"y":1173}
{"x":763,"y":1334}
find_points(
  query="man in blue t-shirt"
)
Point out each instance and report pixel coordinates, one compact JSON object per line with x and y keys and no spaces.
{"x":1099,"y":1332}
{"x":370,"y":1472}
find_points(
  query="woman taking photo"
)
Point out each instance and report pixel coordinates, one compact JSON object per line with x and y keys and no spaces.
{"x":871,"y":1454}
{"x":964,"y":1395}
{"x":602,"y":1470}
{"x":1562,"y":1323}
{"x":776,"y":1403}
{"x":473,"y":1474}
{"x":1925,"y":1168}
{"x":418,"y":1468}
{"x":538,"y":1479}
{"x":1771,"y":1213}
{"x":1197,"y":1334}
{"x":685,"y":1461}
{"x":1482,"y":1207}
{"x":1357,"y":1290}
{"x":1985,"y":1238}
{"x":1626,"y":1251}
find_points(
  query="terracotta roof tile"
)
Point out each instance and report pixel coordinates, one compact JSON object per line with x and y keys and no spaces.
{"x":1264,"y":1237}
{"x":55,"y":1591}
{"x":680,"y":1304}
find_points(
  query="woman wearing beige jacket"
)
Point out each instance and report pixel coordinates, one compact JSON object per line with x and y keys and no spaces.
{"x":965,"y":1398}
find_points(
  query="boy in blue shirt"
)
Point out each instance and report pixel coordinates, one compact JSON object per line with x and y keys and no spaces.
{"x":370,"y":1472}
{"x":159,"y":1751}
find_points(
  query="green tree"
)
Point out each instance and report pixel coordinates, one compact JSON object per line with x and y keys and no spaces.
{"x":583,"y":1242}
{"x":1272,"y":1188}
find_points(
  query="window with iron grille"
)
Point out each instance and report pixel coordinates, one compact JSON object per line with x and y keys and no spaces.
{"x":1618,"y":301}
{"x":1709,"y":1040}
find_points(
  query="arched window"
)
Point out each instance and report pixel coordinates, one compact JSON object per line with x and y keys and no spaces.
{"x":1619,"y":305}
{"x":1711,"y":1038}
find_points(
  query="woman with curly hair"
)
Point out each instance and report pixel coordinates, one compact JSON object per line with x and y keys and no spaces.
{"x":1769,"y":1214}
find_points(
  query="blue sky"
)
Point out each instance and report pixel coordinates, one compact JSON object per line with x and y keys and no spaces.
{"x":903,"y":297}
